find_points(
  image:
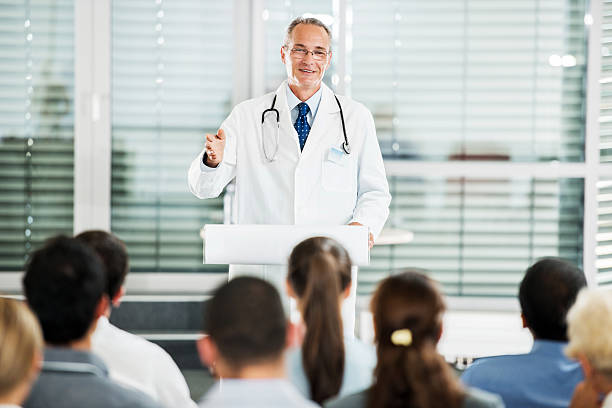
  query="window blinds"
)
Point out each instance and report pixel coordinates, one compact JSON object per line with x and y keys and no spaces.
{"x":171,"y":84}
{"x":474,"y":80}
{"x":477,"y":236}
{"x":450,"y":79}
{"x":36,"y":125}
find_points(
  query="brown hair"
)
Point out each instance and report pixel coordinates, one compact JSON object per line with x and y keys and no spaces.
{"x":413,"y":373}
{"x":20,"y":341}
{"x":319,"y":271}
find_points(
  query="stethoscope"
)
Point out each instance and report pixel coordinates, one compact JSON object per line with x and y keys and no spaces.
{"x":345,"y":146}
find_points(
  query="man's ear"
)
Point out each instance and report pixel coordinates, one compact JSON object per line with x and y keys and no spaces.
{"x":283,"y":53}
{"x":587,"y":367}
{"x":524,"y":320}
{"x":116,"y":300}
{"x":207,"y":350}
{"x":102,"y":306}
{"x":329,"y":60}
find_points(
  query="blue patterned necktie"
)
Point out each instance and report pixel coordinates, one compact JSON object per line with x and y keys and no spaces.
{"x":301,"y":124}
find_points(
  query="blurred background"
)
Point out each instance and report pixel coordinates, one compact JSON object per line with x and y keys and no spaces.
{"x":494,"y":118}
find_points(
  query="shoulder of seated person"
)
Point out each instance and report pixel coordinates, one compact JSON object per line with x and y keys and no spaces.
{"x":476,"y":398}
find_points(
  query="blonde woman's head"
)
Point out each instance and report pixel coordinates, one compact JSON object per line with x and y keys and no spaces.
{"x":589,"y":327}
{"x":20,"y":346}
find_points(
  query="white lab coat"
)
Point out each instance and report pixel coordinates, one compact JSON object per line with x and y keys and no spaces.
{"x":300,"y":187}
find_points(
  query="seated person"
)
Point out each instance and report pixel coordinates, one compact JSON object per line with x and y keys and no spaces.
{"x":64,"y":285}
{"x":20,"y":351}
{"x":589,"y":327}
{"x":328,"y":364}
{"x":407,"y":310}
{"x":247,"y":334}
{"x":545,"y":377}
{"x":131,"y":360}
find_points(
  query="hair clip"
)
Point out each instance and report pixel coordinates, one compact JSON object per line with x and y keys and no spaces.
{"x":402,"y":337}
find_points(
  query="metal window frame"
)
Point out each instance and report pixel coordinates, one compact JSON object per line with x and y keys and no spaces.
{"x":92,"y":204}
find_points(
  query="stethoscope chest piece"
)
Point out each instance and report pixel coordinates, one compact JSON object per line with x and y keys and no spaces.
{"x":346,"y":148}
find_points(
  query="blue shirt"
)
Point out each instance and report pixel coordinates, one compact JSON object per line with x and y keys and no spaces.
{"x":312,"y":102}
{"x":544,"y":377}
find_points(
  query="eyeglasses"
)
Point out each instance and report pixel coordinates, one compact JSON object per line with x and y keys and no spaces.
{"x":300,"y":53}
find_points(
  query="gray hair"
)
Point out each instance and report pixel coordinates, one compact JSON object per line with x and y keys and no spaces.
{"x":306,"y":20}
{"x":589,"y":327}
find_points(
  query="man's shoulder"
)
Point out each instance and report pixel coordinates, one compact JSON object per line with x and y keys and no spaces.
{"x":349,"y":102}
{"x":79,"y":390}
{"x":126,"y":344}
{"x":488,"y":368}
{"x":263,"y":100}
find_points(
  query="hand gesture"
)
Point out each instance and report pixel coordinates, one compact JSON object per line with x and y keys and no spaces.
{"x":215,"y":146}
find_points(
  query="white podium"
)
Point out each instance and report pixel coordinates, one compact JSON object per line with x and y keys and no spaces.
{"x":263,"y":251}
{"x":272,"y":244}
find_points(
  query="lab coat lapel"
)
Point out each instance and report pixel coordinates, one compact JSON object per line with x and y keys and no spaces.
{"x":286,"y":127}
{"x":322,"y":128}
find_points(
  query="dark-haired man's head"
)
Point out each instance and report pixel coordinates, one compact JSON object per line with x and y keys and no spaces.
{"x":548,"y":290}
{"x":114,"y":257}
{"x":247,"y":329}
{"x":65,"y":287}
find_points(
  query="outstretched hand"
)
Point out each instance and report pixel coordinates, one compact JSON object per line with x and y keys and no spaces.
{"x":215,"y":146}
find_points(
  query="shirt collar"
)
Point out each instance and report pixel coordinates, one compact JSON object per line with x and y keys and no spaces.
{"x":64,"y":354}
{"x":312,"y":102}
{"x":548,"y":347}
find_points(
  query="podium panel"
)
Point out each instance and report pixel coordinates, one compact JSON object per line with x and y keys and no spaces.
{"x":272,"y":244}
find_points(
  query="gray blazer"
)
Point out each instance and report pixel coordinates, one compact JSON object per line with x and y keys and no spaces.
{"x":77,"y":379}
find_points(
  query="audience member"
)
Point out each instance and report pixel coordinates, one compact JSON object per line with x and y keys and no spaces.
{"x":545,"y":377}
{"x":328,"y":363}
{"x":407,"y":310}
{"x":131,"y":360}
{"x":589,"y":329}
{"x":247,"y":336}
{"x":20,"y":352}
{"x":65,"y":287}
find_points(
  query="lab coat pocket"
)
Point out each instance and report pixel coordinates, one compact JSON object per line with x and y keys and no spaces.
{"x":337,"y":176}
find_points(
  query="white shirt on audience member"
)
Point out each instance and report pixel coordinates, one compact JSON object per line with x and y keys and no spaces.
{"x":140,"y":364}
{"x":254,"y":393}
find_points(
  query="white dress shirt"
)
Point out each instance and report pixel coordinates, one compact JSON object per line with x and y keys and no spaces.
{"x":312,"y":102}
{"x":140,"y":364}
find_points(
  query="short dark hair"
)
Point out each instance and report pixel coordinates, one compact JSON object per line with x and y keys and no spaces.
{"x":246,"y":321}
{"x":548,"y":290}
{"x":114,"y":256}
{"x":63,"y":284}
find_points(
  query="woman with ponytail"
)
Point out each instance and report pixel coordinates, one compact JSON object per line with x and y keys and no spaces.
{"x":327,"y":364}
{"x":407,"y":310}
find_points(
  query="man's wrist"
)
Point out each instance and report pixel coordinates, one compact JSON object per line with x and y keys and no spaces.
{"x":206,"y":163}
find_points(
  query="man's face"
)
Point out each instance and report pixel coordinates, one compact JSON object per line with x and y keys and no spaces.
{"x":306,"y":72}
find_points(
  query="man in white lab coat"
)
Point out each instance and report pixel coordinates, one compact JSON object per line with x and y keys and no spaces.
{"x":300,"y":155}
